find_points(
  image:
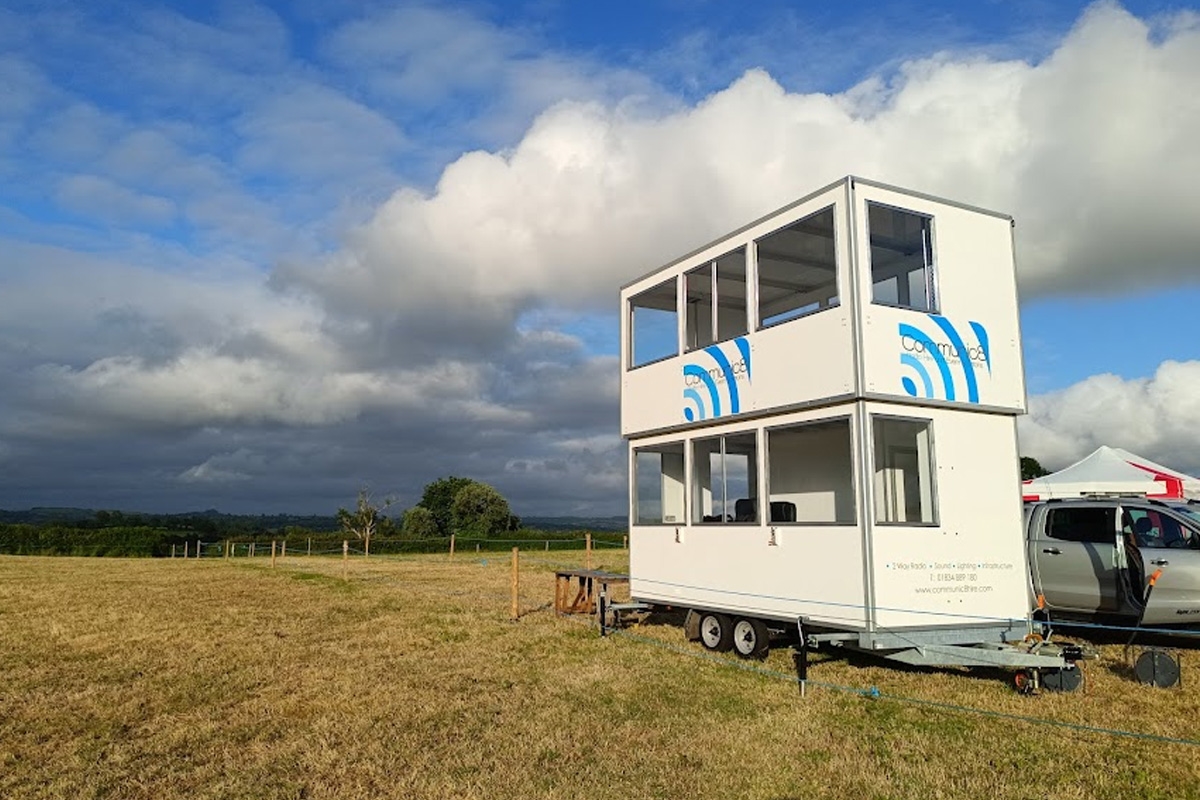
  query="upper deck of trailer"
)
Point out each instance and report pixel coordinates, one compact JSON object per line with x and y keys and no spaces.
{"x":859,"y":290}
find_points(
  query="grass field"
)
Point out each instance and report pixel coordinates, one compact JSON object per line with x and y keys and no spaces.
{"x":214,"y":679}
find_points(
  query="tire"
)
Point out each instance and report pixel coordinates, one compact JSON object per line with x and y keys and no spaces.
{"x":751,"y":639}
{"x":716,"y":632}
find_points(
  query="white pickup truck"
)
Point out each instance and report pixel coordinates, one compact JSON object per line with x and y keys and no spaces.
{"x":1092,"y":557}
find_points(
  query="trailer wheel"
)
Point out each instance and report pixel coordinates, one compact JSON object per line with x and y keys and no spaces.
{"x":716,"y":632}
{"x":751,"y":639}
{"x":1023,"y":682}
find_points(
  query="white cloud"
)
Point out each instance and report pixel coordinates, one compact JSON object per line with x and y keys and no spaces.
{"x":1157,"y":417}
{"x":202,"y":387}
{"x":101,"y":198}
{"x":311,"y":131}
{"x":1090,"y":150}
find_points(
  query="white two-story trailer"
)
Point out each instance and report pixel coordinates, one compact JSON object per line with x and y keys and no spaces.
{"x":821,"y":414}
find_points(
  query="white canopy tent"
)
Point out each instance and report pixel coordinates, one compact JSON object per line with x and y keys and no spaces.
{"x":1106,"y":471}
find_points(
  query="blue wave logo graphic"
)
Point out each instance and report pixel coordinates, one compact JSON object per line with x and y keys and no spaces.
{"x":947,"y":354}
{"x":711,"y":384}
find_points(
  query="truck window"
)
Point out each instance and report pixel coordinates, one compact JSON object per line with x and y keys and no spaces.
{"x":1152,"y":528}
{"x":1096,"y":524}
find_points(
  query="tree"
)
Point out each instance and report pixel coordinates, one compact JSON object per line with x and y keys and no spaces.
{"x":365,"y":520}
{"x":419,"y":523}
{"x":479,"y":510}
{"x":1030,"y":468}
{"x":439,"y":499}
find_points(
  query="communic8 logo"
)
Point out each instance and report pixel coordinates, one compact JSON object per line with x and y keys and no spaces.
{"x":711,"y":380}
{"x":944,"y":348}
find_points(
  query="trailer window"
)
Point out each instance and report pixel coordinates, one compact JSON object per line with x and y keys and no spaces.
{"x":658,"y":481}
{"x":725,"y":479}
{"x":901,"y":258}
{"x":904,"y":471}
{"x":716,"y":300}
{"x":810,"y":476}
{"x":653,"y":324}
{"x":797,"y":269}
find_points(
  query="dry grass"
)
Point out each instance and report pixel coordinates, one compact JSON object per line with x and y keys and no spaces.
{"x":160,"y":679}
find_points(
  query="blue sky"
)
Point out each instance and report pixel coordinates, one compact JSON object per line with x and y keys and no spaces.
{"x":253,"y":256}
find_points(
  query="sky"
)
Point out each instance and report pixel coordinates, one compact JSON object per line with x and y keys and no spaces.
{"x":254,"y":257}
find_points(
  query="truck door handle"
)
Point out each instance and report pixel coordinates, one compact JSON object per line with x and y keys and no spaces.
{"x":1159,"y":562}
{"x":1054,"y":551}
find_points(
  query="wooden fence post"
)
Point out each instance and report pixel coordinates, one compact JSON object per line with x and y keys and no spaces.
{"x":345,"y":556}
{"x":197,"y":548}
{"x":624,"y":542}
{"x":283,"y":549}
{"x":226,"y":549}
{"x":310,"y":545}
{"x":185,"y":548}
{"x":477,"y":547}
{"x":515,"y":583}
{"x":172,"y":551}
{"x":588,"y":559}
{"x":252,"y":549}
{"x":452,"y":545}
{"x":547,"y":545}
{"x":272,"y":554}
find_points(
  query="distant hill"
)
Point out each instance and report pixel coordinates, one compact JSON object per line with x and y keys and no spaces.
{"x":213,"y":519}
{"x":576,"y":523}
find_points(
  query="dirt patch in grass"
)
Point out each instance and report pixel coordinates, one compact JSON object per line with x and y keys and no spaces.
{"x":227,"y":679}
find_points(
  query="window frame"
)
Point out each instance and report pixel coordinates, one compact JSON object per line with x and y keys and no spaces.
{"x":934,"y":499}
{"x":695,"y":514}
{"x":767,"y":431}
{"x":759,"y":324}
{"x":714,"y":298}
{"x":633,"y":332}
{"x":634,"y":519}
{"x":932,"y":286}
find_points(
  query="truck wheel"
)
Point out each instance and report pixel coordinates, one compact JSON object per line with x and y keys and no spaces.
{"x":716,"y":632}
{"x":751,"y":639}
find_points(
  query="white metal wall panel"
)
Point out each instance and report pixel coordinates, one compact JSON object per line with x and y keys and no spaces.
{"x":970,"y":567}
{"x":970,"y":351}
{"x":812,"y":571}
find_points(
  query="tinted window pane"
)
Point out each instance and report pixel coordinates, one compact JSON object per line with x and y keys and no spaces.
{"x":1090,"y":524}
